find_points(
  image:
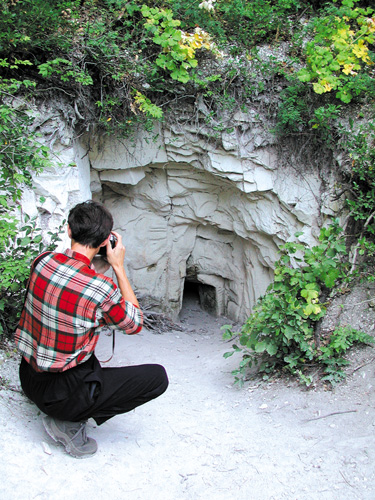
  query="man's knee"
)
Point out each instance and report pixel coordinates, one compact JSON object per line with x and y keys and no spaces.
{"x":160,"y":378}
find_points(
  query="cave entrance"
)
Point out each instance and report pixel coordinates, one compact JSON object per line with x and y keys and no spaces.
{"x":205,"y":295}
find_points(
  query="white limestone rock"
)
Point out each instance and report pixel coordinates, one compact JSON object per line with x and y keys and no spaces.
{"x":131,"y":176}
{"x":191,"y":208}
{"x":110,"y":154}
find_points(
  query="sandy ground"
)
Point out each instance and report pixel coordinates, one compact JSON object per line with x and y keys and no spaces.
{"x":204,"y":438}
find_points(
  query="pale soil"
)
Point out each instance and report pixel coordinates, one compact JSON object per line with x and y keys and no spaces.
{"x":204,"y":438}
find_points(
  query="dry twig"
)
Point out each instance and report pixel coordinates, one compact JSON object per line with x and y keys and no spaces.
{"x":330,"y":415}
{"x":363,"y":364}
{"x":156,"y":321}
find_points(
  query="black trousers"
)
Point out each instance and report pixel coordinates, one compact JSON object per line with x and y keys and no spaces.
{"x":90,"y":391}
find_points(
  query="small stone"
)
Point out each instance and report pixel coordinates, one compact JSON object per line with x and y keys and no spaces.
{"x":46,"y":448}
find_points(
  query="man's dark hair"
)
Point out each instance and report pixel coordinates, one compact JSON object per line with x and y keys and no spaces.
{"x":90,"y":223}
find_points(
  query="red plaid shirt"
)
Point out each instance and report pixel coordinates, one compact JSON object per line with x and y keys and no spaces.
{"x":66,"y":304}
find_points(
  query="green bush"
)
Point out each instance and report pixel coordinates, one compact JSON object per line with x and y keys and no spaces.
{"x":36,"y":27}
{"x":20,"y":244}
{"x":21,"y":156}
{"x":332,"y":353}
{"x":339,"y":55}
{"x":359,"y":147}
{"x":280,"y":331}
{"x":294,"y":109}
{"x":241,"y":23}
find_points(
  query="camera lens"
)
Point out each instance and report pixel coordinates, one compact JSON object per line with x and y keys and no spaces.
{"x":112,"y":240}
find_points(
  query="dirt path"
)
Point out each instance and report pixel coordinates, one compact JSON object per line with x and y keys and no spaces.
{"x":204,"y":438}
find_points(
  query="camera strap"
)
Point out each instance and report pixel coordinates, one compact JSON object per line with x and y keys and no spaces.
{"x":113,"y":347}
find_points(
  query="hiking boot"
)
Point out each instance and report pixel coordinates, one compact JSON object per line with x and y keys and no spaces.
{"x":72,"y":435}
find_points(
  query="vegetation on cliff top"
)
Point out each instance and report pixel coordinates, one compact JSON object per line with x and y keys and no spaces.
{"x":117,"y":60}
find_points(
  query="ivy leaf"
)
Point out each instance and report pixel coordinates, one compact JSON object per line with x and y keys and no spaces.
{"x":344,"y":96}
{"x":289,"y":332}
{"x":261,"y":346}
{"x":348,"y":3}
{"x":304,"y":75}
{"x":271,"y":349}
{"x":24,"y":241}
{"x":319,"y":89}
{"x":331,"y":277}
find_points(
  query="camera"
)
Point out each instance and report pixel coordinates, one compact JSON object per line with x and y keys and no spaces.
{"x":103,"y":250}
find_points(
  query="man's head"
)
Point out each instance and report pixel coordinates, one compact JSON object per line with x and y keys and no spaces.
{"x":90,"y":223}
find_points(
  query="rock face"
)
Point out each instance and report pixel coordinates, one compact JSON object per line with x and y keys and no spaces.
{"x":192,"y":208}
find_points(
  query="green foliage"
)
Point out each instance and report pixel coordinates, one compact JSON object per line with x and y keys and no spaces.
{"x":324,"y":115}
{"x":325,"y":121}
{"x":36,"y":27}
{"x":115,"y":49}
{"x":21,"y":156}
{"x":333,"y":352}
{"x":105,"y":50}
{"x":281,"y":327}
{"x":146,"y":106}
{"x":20,"y":153}
{"x":360,"y":147}
{"x":164,"y":31}
{"x":20,"y":244}
{"x":101,"y":51}
{"x":294,"y":110}
{"x":65,"y":70}
{"x":340,"y":51}
{"x":240,"y":23}
{"x":178,"y":55}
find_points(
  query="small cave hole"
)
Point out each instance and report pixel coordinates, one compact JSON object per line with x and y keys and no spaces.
{"x":204,"y":296}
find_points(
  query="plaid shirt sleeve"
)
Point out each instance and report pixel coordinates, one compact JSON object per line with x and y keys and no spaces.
{"x":66,"y":304}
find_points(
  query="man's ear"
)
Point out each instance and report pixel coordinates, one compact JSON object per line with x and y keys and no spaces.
{"x":69,"y":232}
{"x":104,"y":242}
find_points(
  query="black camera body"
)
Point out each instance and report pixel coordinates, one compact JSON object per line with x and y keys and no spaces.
{"x":103,"y":250}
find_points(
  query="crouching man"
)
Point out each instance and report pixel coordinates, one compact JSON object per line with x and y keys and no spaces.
{"x":67,"y":303}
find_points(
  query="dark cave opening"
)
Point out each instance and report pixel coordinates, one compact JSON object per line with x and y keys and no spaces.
{"x":196,"y":292}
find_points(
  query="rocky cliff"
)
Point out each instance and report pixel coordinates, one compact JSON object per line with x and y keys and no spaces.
{"x":194,"y":207}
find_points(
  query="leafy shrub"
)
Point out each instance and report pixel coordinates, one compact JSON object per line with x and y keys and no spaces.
{"x":20,"y":244}
{"x":294,"y":109}
{"x":333,"y":351}
{"x":360,"y":148}
{"x":241,"y":23}
{"x":21,"y":156}
{"x":340,"y":50}
{"x":281,"y":327}
{"x":37,"y":27}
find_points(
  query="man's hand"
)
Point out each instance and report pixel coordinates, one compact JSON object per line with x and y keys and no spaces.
{"x":116,"y":255}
